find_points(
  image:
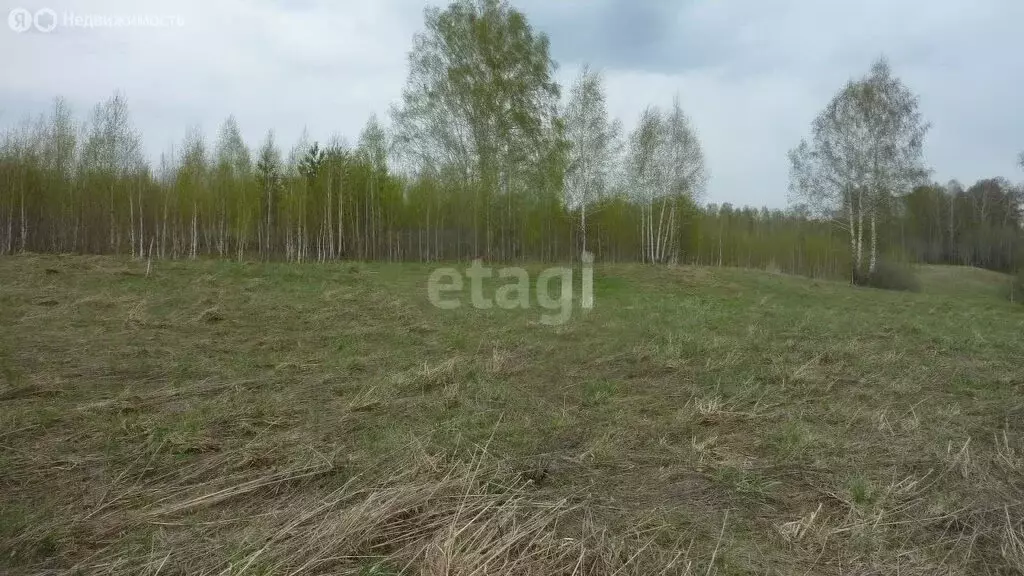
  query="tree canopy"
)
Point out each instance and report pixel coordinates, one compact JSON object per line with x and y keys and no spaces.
{"x":866,"y":147}
{"x":482,"y":157}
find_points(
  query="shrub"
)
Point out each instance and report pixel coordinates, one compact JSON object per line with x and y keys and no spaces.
{"x":889,"y":276}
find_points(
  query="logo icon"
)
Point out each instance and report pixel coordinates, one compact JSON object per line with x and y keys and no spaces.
{"x":19,"y":20}
{"x":45,"y":20}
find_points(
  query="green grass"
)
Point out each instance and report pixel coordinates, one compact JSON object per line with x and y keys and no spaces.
{"x":270,"y":418}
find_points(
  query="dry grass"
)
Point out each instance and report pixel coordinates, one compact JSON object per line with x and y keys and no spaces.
{"x":426,"y":516}
{"x":223,"y":418}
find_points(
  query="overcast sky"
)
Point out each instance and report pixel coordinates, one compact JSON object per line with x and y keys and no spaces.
{"x":750,"y":73}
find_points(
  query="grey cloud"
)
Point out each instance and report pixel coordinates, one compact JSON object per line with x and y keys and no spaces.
{"x":622,"y":34}
{"x":752,"y":74}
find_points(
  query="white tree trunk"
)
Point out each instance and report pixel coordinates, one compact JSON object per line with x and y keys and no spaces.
{"x":859,"y":253}
{"x":195,"y":231}
{"x":874,"y":245}
{"x":131,"y":218}
{"x":583,"y":224}
{"x":853,"y":230}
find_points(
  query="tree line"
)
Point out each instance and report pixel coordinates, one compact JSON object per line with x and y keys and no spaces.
{"x":484,"y":159}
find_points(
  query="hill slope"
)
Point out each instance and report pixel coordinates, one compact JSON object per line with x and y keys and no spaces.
{"x":328,"y":419}
{"x":964,"y":281}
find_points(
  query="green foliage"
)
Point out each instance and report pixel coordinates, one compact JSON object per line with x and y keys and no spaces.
{"x":489,"y":167}
{"x":480,"y":98}
{"x":344,"y":203}
{"x":979,"y":226}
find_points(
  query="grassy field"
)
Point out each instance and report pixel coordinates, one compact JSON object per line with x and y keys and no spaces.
{"x":229,"y":418}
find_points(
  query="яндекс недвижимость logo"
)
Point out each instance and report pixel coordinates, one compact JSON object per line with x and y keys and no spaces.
{"x":47,"y":20}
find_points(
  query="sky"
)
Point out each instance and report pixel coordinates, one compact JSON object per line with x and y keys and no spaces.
{"x":750,"y":74}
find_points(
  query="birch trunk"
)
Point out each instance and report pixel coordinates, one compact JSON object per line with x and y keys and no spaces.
{"x":874,"y":243}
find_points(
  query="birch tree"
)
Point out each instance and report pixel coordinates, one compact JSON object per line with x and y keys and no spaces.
{"x":866,"y":146}
{"x":269,"y":175}
{"x":110,"y":157}
{"x":686,"y":173}
{"x":296,"y":193}
{"x":192,"y":185}
{"x":372,"y":152}
{"x":59,"y":157}
{"x":665,"y":168}
{"x":480,"y":102}
{"x":594,"y":146}
{"x":643,"y":171}
{"x":235,"y":204}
